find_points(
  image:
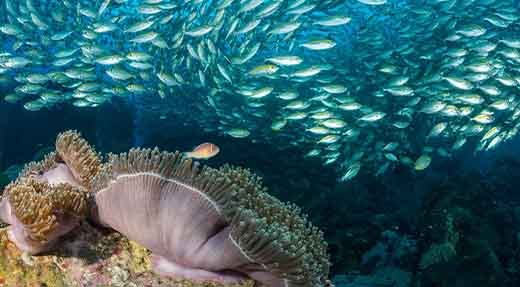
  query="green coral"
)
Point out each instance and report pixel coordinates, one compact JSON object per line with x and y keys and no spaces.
{"x":437,"y":254}
{"x":461,"y":239}
{"x":444,"y":251}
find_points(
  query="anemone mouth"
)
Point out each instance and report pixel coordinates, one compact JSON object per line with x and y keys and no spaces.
{"x":39,"y":212}
{"x":83,"y":162}
{"x":204,"y":221}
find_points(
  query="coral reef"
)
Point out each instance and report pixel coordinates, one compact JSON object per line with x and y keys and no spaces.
{"x":393,"y":250}
{"x":387,"y":264}
{"x":444,"y":251}
{"x":438,"y":253}
{"x":461,"y":237}
{"x":200,"y":223}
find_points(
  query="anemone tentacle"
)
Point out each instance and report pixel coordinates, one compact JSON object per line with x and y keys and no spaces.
{"x":39,"y":213}
{"x":38,"y":168}
{"x":79,"y":156}
{"x":275,"y":235}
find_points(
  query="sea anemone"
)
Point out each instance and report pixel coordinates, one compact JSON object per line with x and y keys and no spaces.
{"x":200,"y":223}
{"x":39,"y":213}
{"x":49,"y":198}
{"x":208,"y":224}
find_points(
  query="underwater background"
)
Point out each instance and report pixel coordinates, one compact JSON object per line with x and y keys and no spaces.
{"x":416,"y":186}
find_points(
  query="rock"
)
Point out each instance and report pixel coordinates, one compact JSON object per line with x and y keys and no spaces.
{"x":87,"y":257}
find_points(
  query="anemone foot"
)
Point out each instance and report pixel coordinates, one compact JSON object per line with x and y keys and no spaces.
{"x":164,"y":267}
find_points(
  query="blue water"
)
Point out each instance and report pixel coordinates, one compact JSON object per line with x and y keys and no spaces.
{"x":380,"y":229}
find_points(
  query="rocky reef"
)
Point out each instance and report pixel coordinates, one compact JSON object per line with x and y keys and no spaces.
{"x":89,"y":256}
{"x":465,"y":232}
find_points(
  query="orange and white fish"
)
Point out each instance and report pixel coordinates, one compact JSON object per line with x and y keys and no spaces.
{"x":203,"y":151}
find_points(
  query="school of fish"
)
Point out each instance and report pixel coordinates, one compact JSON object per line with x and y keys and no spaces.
{"x":360,"y":84}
